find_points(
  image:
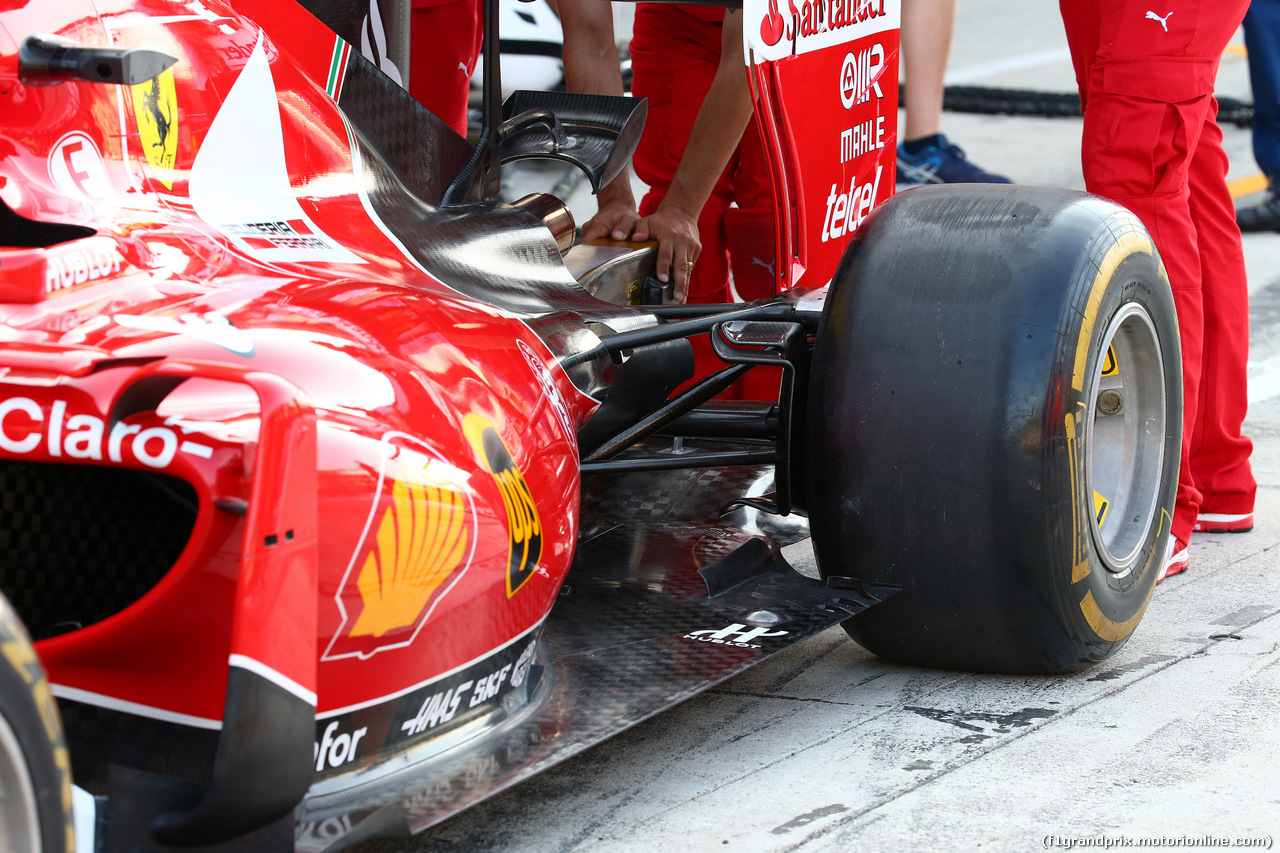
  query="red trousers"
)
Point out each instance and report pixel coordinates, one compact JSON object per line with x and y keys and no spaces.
{"x":1152,"y":144}
{"x":675,"y":51}
{"x":444,"y":39}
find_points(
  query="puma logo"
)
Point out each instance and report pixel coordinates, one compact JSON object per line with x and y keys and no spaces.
{"x":768,"y":266}
{"x":1164,"y":22}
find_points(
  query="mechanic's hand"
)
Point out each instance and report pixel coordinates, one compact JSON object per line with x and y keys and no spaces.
{"x":678,"y":245}
{"x":616,"y":215}
{"x":615,"y":219}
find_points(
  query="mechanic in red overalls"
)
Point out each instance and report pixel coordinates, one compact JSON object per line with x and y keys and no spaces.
{"x":1152,"y":143}
{"x":1262,"y":38}
{"x":710,"y":204}
{"x":687,"y":60}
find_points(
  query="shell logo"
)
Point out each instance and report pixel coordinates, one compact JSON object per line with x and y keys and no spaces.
{"x":524,"y":525}
{"x":421,"y":540}
{"x":418,"y":542}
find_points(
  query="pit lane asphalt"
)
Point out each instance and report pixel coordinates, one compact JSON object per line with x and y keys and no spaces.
{"x":825,"y":747}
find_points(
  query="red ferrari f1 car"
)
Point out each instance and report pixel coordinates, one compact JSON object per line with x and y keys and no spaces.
{"x":338,"y":493}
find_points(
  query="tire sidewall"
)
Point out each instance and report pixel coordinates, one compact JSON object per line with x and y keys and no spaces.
{"x":1101,"y":607}
{"x":28,"y":707}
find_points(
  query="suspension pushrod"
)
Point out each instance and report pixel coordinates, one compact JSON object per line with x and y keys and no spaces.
{"x":689,"y":400}
{"x":693,"y":460}
{"x":619,"y":341}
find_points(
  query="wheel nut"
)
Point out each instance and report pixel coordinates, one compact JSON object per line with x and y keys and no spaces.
{"x":1110,"y":402}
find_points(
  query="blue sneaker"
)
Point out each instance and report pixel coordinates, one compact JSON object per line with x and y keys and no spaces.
{"x":1266,"y":215}
{"x":943,"y":163}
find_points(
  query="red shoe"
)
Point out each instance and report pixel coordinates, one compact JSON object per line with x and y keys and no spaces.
{"x":1176,"y":559}
{"x":1221,"y":522}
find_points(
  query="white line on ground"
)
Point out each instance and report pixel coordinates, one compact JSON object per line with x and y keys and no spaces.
{"x":1013,"y":63}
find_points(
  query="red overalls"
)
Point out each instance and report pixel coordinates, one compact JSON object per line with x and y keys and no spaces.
{"x":445,"y":38}
{"x":675,"y":51}
{"x":1152,"y":143}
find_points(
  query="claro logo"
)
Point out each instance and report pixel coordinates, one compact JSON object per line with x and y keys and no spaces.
{"x":24,"y":427}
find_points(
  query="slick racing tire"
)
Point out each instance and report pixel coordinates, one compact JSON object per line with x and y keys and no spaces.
{"x":994,"y":427}
{"x":35,"y":771}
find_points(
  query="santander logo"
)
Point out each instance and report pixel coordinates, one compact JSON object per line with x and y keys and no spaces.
{"x":815,"y":18}
{"x":773,"y":25}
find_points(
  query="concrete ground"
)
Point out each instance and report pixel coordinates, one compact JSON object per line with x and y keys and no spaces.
{"x":825,"y":747}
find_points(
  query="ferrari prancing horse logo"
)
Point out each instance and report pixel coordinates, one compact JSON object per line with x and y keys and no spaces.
{"x":523,"y":523}
{"x":155,"y":104}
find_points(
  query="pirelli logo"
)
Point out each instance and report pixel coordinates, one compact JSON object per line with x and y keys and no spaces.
{"x":524,"y":525}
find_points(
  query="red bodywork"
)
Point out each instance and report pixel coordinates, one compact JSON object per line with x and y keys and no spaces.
{"x":824,"y":79}
{"x":356,"y":350}
{"x":386,"y":469}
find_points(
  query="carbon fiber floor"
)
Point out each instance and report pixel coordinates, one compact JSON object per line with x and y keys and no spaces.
{"x":667,"y":597}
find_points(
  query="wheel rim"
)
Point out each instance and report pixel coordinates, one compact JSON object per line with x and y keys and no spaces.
{"x":19,"y":827}
{"x":1124,"y":439}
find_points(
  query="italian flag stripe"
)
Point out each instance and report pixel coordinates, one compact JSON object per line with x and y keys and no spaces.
{"x":338,"y":67}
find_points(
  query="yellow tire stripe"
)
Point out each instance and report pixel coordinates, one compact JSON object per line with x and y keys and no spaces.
{"x":23,"y":660}
{"x":1125,"y":246}
{"x":1106,"y":628}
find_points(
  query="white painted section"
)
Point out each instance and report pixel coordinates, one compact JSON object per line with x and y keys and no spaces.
{"x":111,"y":703}
{"x":1021,"y":62}
{"x":280,"y":680}
{"x":240,"y":180}
{"x":1264,"y":380}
